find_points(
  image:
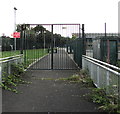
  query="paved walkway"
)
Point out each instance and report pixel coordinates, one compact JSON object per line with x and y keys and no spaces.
{"x":61,"y":60}
{"x":48,"y":95}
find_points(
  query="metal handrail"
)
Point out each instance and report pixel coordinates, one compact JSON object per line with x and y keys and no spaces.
{"x":110,"y":70}
{"x":103,"y":63}
{"x":102,"y":74}
{"x":11,"y":57}
{"x":9,"y":60}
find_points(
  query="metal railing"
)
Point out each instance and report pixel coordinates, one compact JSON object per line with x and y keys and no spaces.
{"x":11,"y":57}
{"x":103,"y":75}
{"x":5,"y":64}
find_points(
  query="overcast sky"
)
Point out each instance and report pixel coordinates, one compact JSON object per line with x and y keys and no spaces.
{"x":92,"y":13}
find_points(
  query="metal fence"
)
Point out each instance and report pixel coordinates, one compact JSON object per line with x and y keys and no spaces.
{"x":103,"y":75}
{"x":5,"y":64}
{"x":50,"y":39}
{"x":75,"y":48}
{"x":92,"y":36}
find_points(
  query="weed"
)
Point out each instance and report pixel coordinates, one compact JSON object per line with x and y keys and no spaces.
{"x":17,"y":69}
{"x":84,"y":72}
{"x":43,"y":78}
{"x":109,"y":103}
{"x":85,"y":78}
{"x":82,"y":76}
{"x":74,"y":78}
{"x":10,"y":81}
{"x":98,"y":96}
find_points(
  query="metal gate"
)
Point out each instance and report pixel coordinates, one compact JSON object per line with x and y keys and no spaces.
{"x":46,"y":46}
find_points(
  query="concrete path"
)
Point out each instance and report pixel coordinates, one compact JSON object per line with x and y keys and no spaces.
{"x":49,"y":95}
{"x":61,"y":60}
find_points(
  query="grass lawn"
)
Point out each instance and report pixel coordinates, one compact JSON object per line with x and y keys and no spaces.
{"x":34,"y":54}
{"x":29,"y":55}
{"x":10,"y":53}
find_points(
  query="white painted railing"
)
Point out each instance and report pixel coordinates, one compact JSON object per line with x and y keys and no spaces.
{"x":5,"y":64}
{"x":6,"y":58}
{"x":103,"y":75}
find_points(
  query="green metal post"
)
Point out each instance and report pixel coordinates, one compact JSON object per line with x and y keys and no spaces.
{"x":21,"y":42}
{"x":52,"y":47}
{"x":84,"y":40}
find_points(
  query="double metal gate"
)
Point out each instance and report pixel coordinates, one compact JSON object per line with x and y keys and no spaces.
{"x":46,"y":46}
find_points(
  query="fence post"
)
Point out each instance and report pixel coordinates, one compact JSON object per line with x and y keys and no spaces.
{"x":83,"y":62}
{"x":21,"y":60}
{"x":9,"y":67}
{"x":98,"y":76}
{"x":84,"y":40}
{"x":107,"y":83}
{"x":52,"y":47}
{"x":0,"y":72}
{"x":119,"y":89}
{"x":0,"y":88}
{"x":91,"y":70}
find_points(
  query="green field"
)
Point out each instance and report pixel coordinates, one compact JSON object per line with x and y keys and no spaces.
{"x":10,"y":53}
{"x":33,"y":55}
{"x":29,"y":55}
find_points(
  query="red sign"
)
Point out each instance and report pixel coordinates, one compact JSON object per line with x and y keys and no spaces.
{"x":16,"y":34}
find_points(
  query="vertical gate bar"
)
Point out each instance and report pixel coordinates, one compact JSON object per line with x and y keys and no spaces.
{"x":40,"y":52}
{"x":52,"y":47}
{"x":65,"y":55}
{"x":49,"y":51}
{"x":48,"y":47}
{"x":24,"y":47}
{"x":68,"y":67}
{"x":64,"y":60}
{"x":68,"y":64}
{"x":35,"y":50}
{"x":79,"y":32}
{"x":27,"y":36}
{"x":60,"y":55}
{"x":83,"y":38}
{"x":63,"y":63}
{"x":21,"y":40}
{"x":35,"y":57}
{"x":59,"y":30}
{"x":43,"y":66}
{"x":26,"y":43}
